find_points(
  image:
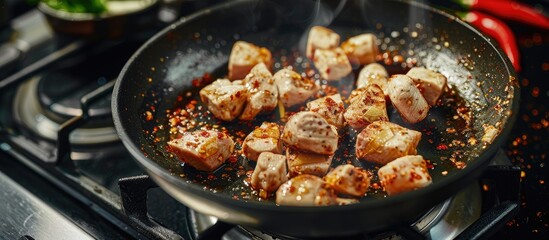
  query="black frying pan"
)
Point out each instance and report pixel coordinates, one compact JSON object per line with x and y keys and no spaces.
{"x":164,"y":68}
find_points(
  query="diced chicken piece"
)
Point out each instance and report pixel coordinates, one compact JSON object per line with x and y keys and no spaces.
{"x":321,"y":38}
{"x":332,"y":64}
{"x":330,"y":108}
{"x":224,"y":99}
{"x":294,"y":89}
{"x":404,"y":174}
{"x":430,"y":83}
{"x":263,"y":139}
{"x":305,"y":190}
{"x":373,"y":73}
{"x":367,"y":108}
{"x":204,"y":150}
{"x":238,"y":82}
{"x":382,"y":142}
{"x":262,"y":93}
{"x":307,"y":163}
{"x":348,"y":179}
{"x":244,"y":56}
{"x":407,"y":98}
{"x":361,"y":49}
{"x":308,"y":131}
{"x":269,"y":173}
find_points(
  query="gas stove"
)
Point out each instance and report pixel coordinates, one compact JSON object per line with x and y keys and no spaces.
{"x":66,"y":175}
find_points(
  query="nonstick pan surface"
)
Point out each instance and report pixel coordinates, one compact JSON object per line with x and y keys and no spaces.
{"x":163,"y":76}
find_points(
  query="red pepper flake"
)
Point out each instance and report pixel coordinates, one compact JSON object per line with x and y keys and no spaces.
{"x":204,"y":134}
{"x":414,"y":176}
{"x":460,"y":164}
{"x":310,"y":73}
{"x":292,"y":189}
{"x":148,"y":116}
{"x":442,"y":146}
{"x":535,"y":92}
{"x":430,"y":165}
{"x":206,"y":77}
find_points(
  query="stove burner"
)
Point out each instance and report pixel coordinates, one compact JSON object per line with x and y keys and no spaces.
{"x":59,"y":93}
{"x":45,"y":122}
{"x":444,"y":221}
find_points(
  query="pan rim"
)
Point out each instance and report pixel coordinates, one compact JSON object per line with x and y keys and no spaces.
{"x":482,"y":159}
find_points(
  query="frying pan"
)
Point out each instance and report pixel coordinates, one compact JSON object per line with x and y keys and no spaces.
{"x":164,"y":68}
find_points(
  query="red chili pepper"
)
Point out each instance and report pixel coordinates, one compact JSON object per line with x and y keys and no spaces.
{"x":499,"y":31}
{"x":509,"y":10}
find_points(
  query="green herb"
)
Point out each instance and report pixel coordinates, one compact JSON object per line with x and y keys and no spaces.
{"x":78,"y":6}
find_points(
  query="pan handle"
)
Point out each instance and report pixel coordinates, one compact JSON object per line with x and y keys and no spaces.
{"x":133,"y":191}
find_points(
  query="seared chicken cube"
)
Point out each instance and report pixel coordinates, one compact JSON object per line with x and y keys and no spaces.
{"x":373,"y":73}
{"x":308,"y":131}
{"x":262,"y":139}
{"x":330,"y":108}
{"x":305,"y":190}
{"x":430,"y":83}
{"x":300,"y":162}
{"x":348,"y":179}
{"x":382,"y":142}
{"x":204,"y":150}
{"x":224,"y":99}
{"x":292,"y":88}
{"x":244,"y":56}
{"x":269,"y":173}
{"x":332,"y":64}
{"x":404,"y":174}
{"x":321,"y":38}
{"x":361,"y":49}
{"x":368,"y":107}
{"x":407,"y":98}
{"x":262,"y":93}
